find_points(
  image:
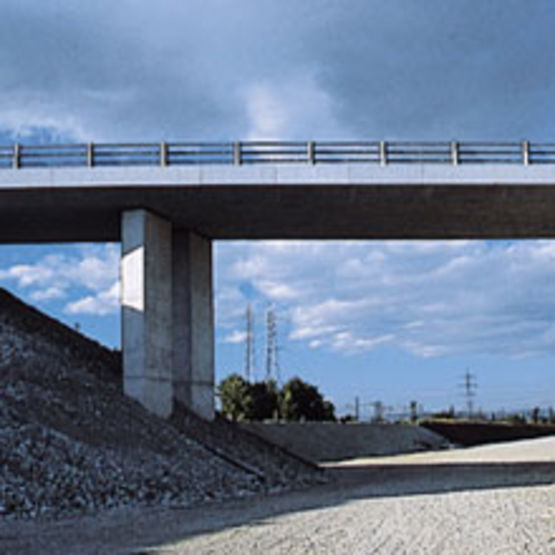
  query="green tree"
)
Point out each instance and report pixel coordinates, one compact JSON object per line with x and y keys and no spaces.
{"x":235,"y":396}
{"x":300,"y":400}
{"x":264,"y":400}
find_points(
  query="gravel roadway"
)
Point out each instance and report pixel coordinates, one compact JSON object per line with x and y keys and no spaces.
{"x":487,"y":500}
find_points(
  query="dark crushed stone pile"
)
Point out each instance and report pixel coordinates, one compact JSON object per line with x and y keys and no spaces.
{"x":72,"y":443}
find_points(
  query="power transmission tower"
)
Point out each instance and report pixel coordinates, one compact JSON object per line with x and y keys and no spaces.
{"x":249,"y":343}
{"x":272,"y":364}
{"x":470,"y":385}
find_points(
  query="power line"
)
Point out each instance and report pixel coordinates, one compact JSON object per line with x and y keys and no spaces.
{"x":470,"y":386}
{"x":272,"y":361}
{"x":249,"y":343}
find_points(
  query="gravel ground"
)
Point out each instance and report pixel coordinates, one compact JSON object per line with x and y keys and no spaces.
{"x":464,"y":507}
{"x":83,"y":469}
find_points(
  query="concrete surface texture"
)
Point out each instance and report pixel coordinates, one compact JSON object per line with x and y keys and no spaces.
{"x":147,"y":348}
{"x":167,"y":318}
{"x":470,"y":508}
{"x":329,"y":441}
{"x":193,"y":322}
{"x":346,"y":201}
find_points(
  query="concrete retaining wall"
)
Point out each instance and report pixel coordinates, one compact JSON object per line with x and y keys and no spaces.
{"x":329,"y":441}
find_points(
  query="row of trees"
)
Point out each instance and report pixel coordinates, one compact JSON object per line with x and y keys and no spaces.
{"x":296,"y":400}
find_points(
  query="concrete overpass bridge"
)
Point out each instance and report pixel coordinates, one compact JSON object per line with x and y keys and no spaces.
{"x":166,"y":203}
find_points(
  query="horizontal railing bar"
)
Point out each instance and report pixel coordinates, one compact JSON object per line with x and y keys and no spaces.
{"x":222,"y":146}
{"x":489,"y":152}
{"x":199,"y":154}
{"x":128,"y":163}
{"x":346,"y":151}
{"x":491,"y":161}
{"x":125,"y":154}
{"x":273,"y":161}
{"x":258,"y":154}
{"x":258,"y":150}
{"x":35,"y":156}
{"x":145,"y":148}
{"x":125,"y":145}
{"x":347,"y":143}
{"x":53,"y":156}
{"x":419,"y":143}
{"x":45,"y":153}
{"x":44,"y":164}
{"x":374,"y":160}
{"x":202,"y":148}
{"x":487,"y":144}
{"x":277,"y":154}
{"x":190,"y":157}
{"x":445,"y":160}
{"x":273,"y":143}
{"x":417,"y":153}
{"x":74,"y":146}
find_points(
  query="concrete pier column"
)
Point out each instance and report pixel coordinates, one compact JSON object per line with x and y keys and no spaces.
{"x":146,"y":276}
{"x":193,"y":322}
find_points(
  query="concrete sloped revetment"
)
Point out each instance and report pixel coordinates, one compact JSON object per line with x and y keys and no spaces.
{"x":167,"y":217}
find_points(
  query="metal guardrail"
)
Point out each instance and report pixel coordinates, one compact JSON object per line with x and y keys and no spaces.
{"x":273,"y":152}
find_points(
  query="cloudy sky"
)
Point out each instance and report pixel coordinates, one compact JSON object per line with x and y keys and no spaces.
{"x":383,"y":320}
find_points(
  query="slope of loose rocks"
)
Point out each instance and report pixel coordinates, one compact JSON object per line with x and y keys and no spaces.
{"x":72,"y":443}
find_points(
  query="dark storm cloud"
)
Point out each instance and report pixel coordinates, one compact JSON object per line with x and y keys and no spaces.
{"x":222,"y":68}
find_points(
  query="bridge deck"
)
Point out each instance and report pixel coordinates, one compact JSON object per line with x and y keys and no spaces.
{"x":289,"y":201}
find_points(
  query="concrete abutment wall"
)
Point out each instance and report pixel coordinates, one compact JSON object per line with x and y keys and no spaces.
{"x":167,"y":315}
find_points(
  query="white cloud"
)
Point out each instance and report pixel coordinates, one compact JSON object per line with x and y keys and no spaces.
{"x":427,"y":298}
{"x":30,"y":274}
{"x":92,"y":268}
{"x":278,"y":291}
{"x":295,"y":107}
{"x":48,"y":294}
{"x":101,"y":304}
{"x":236,"y":336}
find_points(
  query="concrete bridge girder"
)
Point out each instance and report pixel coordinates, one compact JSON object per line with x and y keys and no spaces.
{"x":167,"y":315}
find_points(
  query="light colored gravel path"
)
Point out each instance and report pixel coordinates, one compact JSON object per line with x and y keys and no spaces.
{"x":478,"y":504}
{"x":519,"y":520}
{"x":527,"y":450}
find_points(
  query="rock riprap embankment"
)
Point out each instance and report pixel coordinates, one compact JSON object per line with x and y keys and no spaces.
{"x":72,"y":443}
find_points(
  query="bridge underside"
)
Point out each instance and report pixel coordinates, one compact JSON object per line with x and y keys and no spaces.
{"x":166,"y":220}
{"x":292,"y":212}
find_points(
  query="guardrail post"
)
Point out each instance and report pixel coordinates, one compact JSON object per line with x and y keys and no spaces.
{"x":311,"y":152}
{"x":526,"y":153}
{"x":16,"y":162}
{"x":163,"y":154}
{"x":383,"y":153}
{"x":455,"y":153}
{"x":90,"y":155}
{"x":237,"y":158}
